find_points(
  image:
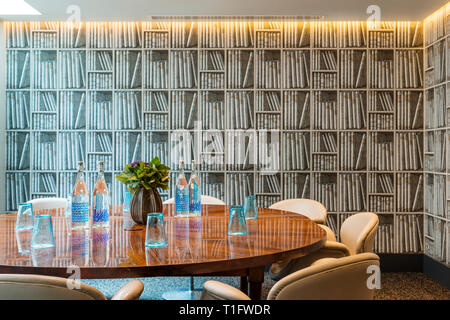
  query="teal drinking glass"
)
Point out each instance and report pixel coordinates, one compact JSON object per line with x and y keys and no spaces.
{"x":250,"y":209}
{"x":24,"y":217}
{"x":127,"y":220}
{"x":155,"y":235}
{"x":42,"y":232}
{"x":236,"y":223}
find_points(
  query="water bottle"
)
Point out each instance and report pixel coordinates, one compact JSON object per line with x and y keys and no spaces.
{"x":195,"y":205}
{"x":181,"y":193}
{"x":100,"y":200}
{"x":80,"y":201}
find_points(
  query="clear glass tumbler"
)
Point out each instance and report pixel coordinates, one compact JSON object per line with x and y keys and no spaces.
{"x":155,"y":235}
{"x":127,"y":220}
{"x":250,"y":209}
{"x":25,"y":217}
{"x":236,"y":223}
{"x":42,"y":232}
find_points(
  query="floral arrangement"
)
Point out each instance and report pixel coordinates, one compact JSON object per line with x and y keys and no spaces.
{"x":148,"y":175}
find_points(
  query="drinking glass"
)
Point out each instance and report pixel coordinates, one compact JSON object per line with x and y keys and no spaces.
{"x":25,"y":217}
{"x":127,"y":220}
{"x":155,"y":235}
{"x":250,"y":209}
{"x":42,"y":232}
{"x":236,"y":222}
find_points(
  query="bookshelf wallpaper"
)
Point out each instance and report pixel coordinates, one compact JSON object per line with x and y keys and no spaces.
{"x":437,"y":135}
{"x":344,"y":99}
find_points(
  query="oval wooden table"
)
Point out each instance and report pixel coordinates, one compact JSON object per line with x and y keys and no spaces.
{"x":197,"y":246}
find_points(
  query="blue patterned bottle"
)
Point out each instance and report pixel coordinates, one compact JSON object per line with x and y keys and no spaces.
{"x":195,"y":193}
{"x":80,"y":201}
{"x":181,"y":193}
{"x":100,"y":200}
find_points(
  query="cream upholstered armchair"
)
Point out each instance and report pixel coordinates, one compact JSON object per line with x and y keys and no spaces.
{"x":204,"y":200}
{"x":307,"y":207}
{"x":36,"y":287}
{"x":330,"y":278}
{"x":48,"y":203}
{"x":357,"y":236}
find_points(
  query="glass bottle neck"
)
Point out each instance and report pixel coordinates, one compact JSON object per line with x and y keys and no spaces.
{"x":80,"y":174}
{"x":100,"y":175}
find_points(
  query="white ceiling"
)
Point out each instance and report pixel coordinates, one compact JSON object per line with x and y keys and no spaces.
{"x":113,"y":10}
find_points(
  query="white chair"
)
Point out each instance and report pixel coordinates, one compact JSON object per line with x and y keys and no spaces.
{"x":204,"y":200}
{"x":48,"y":203}
{"x":53,"y":206}
{"x":36,"y":287}
{"x":336,"y":279}
{"x":307,"y":207}
{"x":357,"y":236}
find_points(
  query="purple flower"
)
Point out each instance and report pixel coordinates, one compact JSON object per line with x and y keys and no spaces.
{"x":135,"y":163}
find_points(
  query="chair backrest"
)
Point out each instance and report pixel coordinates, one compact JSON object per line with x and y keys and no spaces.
{"x":36,"y":287}
{"x":204,"y":199}
{"x":48,"y":203}
{"x":358,"y":232}
{"x":307,"y":207}
{"x":337,"y":279}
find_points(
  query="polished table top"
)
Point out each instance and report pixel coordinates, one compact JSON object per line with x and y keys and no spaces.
{"x":196,"y":245}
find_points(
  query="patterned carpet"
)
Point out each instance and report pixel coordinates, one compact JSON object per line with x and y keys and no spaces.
{"x":394,"y":286}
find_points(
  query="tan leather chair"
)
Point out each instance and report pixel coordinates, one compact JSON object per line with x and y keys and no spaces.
{"x":307,"y":207}
{"x":336,"y":279}
{"x":357,"y":236}
{"x":36,"y":287}
{"x":204,"y":200}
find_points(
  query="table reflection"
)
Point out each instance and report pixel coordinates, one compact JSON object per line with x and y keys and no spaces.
{"x":43,"y":257}
{"x":100,"y":246}
{"x":190,"y":240}
{"x":23,"y":238}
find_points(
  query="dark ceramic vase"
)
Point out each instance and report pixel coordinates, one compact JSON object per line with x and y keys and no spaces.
{"x":143,"y":202}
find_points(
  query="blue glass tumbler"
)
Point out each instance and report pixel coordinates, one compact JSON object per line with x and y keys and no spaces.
{"x":250,"y":209}
{"x":42,"y":232}
{"x":236,"y":222}
{"x":155,"y":235}
{"x":24,"y":217}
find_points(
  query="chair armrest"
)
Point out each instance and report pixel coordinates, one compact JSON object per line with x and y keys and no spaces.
{"x":330,"y":249}
{"x":330,"y":233}
{"x":336,"y":246}
{"x":324,"y":260}
{"x":215,"y":290}
{"x":130,"y":291}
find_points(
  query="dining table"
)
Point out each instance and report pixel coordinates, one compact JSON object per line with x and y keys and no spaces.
{"x":196,"y":246}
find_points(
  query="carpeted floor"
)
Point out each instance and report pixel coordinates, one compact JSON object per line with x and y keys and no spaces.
{"x":394,"y":286}
{"x":410,"y":286}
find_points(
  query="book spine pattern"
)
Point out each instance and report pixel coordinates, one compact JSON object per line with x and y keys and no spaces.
{"x":344,"y":101}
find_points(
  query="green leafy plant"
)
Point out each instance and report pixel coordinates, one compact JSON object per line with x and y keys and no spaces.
{"x":148,"y":175}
